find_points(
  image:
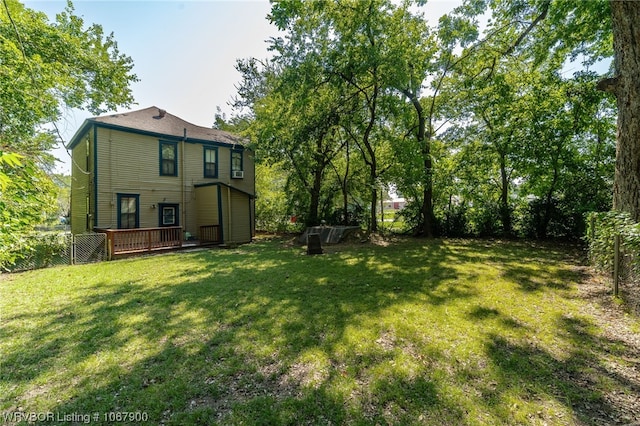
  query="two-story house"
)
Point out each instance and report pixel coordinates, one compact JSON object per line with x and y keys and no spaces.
{"x":151,"y":169}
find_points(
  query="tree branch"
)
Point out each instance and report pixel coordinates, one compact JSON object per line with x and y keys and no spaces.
{"x":532,"y":25}
{"x":15,"y":28}
{"x":608,"y":85}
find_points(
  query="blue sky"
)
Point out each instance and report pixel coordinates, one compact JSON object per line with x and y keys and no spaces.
{"x":184,"y":51}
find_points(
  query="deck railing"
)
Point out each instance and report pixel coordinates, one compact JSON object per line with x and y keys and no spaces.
{"x":210,"y":234}
{"x":124,"y":241}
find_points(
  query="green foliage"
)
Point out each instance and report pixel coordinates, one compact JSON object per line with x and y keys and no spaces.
{"x":411,"y":215}
{"x":601,"y":234}
{"x":35,"y":250}
{"x":355,"y":216}
{"x":45,"y":68}
{"x":8,"y":160}
{"x":531,"y":152}
{"x":63,"y":184}
{"x":484,"y":132}
{"x":455,"y":221}
{"x":272,"y":210}
{"x":50,"y":65}
{"x":27,"y":198}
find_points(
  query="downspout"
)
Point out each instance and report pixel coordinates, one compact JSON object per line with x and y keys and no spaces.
{"x":229,"y":209}
{"x":94,"y":218}
{"x":233,"y":148}
{"x":182,"y":195}
{"x":112,"y":202}
{"x":252,"y":204}
{"x":220,"y":215}
{"x":89,"y":193}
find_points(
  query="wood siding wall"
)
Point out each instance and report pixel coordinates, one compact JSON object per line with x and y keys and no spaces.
{"x":219,"y":203}
{"x":81,"y":181}
{"x":129,"y":163}
{"x":241,"y":217}
{"x":207,"y":207}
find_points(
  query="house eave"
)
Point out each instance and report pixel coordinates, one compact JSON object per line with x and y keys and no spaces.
{"x":86,"y":125}
{"x":201,"y":185}
{"x":91,"y":122}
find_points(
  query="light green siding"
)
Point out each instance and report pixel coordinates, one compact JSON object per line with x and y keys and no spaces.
{"x":81,"y":186}
{"x":129,"y":163}
{"x":240,"y":225}
{"x":207,"y":207}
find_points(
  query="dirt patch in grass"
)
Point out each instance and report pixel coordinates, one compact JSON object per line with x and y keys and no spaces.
{"x":619,"y":324}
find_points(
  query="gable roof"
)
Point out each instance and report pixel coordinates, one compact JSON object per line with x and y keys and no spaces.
{"x":157,"y":122}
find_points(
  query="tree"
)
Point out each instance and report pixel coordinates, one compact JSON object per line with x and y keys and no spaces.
{"x":357,"y":64}
{"x":373,"y":78}
{"x":46,"y":67}
{"x":576,"y":132}
{"x":625,"y":85}
{"x":413,"y":64}
{"x":532,"y":143}
{"x":378,"y":48}
{"x":421,"y":60}
{"x":295,"y":122}
{"x":345,"y":39}
{"x":532,"y":128}
{"x":596,"y":30}
{"x":496,"y":108}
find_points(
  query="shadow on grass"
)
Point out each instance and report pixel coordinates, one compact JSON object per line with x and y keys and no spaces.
{"x":577,"y":379}
{"x":265,"y":335}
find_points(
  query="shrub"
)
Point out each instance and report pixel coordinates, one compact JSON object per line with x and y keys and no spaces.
{"x":565,"y":219}
{"x":454,"y":221}
{"x":484,"y":220}
{"x":35,"y":250}
{"x":602,"y":229}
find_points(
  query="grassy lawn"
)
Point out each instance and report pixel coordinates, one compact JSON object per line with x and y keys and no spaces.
{"x":413,"y":332}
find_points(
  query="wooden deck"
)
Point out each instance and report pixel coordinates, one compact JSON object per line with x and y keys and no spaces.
{"x":122,"y":242}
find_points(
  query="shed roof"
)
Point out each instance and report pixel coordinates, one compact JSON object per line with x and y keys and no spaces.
{"x":154,"y":120}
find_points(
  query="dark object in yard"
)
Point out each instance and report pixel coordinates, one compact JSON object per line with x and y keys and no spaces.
{"x":313,"y":244}
{"x":330,"y":234}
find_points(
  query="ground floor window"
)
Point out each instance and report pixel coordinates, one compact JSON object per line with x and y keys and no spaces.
{"x":128,"y":211}
{"x":168,"y":214}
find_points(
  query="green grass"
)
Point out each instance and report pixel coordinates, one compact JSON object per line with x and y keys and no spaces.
{"x":417,"y":332}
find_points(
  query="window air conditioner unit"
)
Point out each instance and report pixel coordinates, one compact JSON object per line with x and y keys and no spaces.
{"x":237,"y":174}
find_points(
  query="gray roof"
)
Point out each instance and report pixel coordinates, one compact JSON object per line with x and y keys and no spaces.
{"x":157,"y":121}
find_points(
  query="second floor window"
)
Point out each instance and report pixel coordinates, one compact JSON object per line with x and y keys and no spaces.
{"x":168,"y":159}
{"x":210,"y":162}
{"x":236,"y":161}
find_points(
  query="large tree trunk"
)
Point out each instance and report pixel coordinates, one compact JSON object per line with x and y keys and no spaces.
{"x":505,"y":211}
{"x":427,"y":222}
{"x":314,"y":205}
{"x":427,"y":201}
{"x":374,"y":202}
{"x":543,"y":225}
{"x":626,"y":87}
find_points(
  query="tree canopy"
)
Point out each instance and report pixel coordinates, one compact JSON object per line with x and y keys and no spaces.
{"x":45,"y":68}
{"x":487,"y":121}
